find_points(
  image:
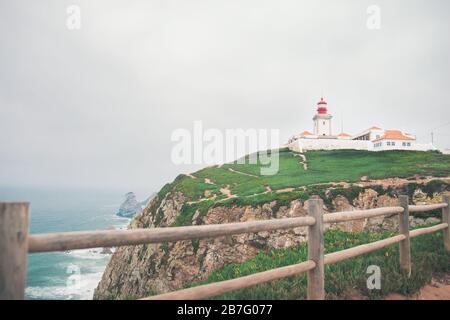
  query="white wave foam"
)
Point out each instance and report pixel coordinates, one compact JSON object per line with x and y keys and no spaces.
{"x":124,"y":219}
{"x":82,"y":289}
{"x":91,"y":254}
{"x":95,"y":260}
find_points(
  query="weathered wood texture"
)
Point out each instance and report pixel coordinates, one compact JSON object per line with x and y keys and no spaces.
{"x":217,"y":288}
{"x":316,"y":284}
{"x":362,"y":249}
{"x":114,"y":238}
{"x":427,"y":207}
{"x":446,"y":219}
{"x":360,"y":214}
{"x":405,"y":246}
{"x":422,"y":231}
{"x":15,"y":243}
{"x":13,"y":250}
{"x":214,"y":289}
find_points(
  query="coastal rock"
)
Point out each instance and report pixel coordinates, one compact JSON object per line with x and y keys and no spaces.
{"x":139,"y":271}
{"x":106,"y":251}
{"x":130,"y":207}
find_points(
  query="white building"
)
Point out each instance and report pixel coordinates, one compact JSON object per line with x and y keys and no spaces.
{"x":322,"y":120}
{"x":370,"y":134}
{"x":372,"y":139}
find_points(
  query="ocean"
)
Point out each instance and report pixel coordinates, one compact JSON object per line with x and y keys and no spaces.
{"x":71,"y":275}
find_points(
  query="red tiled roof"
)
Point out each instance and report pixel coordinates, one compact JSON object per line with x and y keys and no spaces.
{"x":394,"y":135}
{"x":344,"y":135}
{"x":306,"y":133}
{"x":374,"y":128}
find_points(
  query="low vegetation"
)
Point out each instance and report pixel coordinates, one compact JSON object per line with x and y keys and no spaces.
{"x":204,"y":190}
{"x":323,"y":167}
{"x":346,"y":279}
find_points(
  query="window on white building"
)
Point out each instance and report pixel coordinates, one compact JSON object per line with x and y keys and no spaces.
{"x":409,"y":144}
{"x":392,"y":143}
{"x":404,"y":144}
{"x":388,"y":143}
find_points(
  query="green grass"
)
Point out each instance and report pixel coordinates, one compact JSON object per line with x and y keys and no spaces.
{"x":340,"y":165}
{"x":327,"y":192}
{"x":323,"y":167}
{"x":345,"y":278}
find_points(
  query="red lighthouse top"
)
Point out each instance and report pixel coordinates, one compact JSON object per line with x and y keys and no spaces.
{"x":322,"y":106}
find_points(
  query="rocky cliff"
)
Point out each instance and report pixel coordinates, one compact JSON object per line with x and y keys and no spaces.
{"x":143,"y":270}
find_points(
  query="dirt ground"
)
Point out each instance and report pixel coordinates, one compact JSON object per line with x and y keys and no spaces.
{"x":438,"y":289}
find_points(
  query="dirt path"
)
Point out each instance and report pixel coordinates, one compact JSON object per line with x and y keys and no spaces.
{"x":365,"y":182}
{"x":304,"y":162}
{"x":438,"y":289}
{"x":243,"y":173}
{"x":388,"y":182}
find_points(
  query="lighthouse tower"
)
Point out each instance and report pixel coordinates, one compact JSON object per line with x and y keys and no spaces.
{"x":322,"y":120}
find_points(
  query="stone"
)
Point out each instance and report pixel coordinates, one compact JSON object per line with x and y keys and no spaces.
{"x":432,"y":220}
{"x":130,"y":206}
{"x":157,"y":268}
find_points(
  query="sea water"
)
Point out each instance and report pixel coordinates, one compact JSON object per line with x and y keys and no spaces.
{"x":73,"y":274}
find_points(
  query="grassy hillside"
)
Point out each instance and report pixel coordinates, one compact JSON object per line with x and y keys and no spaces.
{"x":345,"y":279}
{"x":300,"y":176}
{"x":323,"y":166}
{"x":237,"y":184}
{"x":245,"y":184}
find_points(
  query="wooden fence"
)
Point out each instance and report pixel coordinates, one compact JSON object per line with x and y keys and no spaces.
{"x":16,"y":243}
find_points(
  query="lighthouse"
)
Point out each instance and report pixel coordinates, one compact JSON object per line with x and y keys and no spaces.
{"x":322,"y":120}
{"x":372,"y":139}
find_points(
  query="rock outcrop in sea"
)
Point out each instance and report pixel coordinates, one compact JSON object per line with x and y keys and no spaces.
{"x":130,"y":207}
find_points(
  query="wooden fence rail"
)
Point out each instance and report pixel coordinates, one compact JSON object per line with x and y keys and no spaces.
{"x":15,"y":244}
{"x":116,"y":238}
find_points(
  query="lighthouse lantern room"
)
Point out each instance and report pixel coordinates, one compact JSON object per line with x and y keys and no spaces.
{"x":322,"y":120}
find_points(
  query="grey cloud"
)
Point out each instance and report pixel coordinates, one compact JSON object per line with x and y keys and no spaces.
{"x":96,"y":107}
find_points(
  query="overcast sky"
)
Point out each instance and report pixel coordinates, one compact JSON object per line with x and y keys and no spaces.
{"x":95,"y":107}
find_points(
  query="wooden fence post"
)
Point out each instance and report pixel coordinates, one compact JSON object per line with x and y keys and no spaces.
{"x":446,"y":219}
{"x":316,"y":285}
{"x":13,"y":250}
{"x":405,"y":246}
